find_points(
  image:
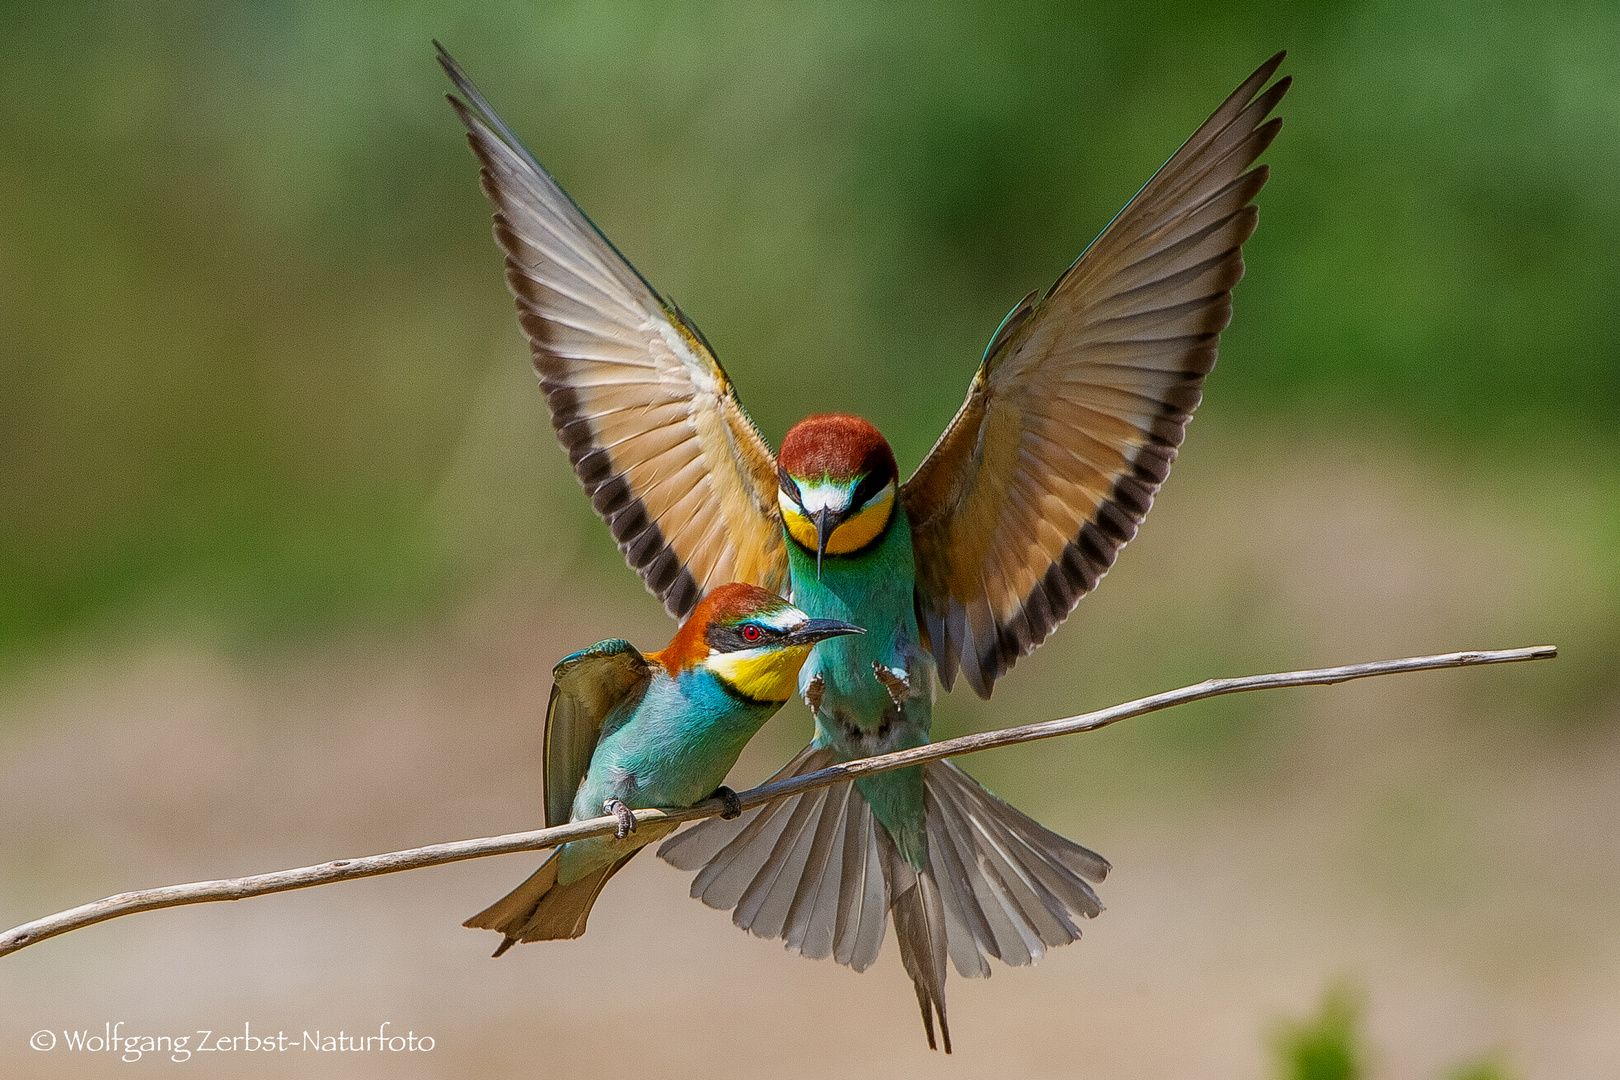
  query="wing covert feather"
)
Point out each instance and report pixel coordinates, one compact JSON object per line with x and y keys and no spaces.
{"x":652,"y":426}
{"x":1073,"y":419}
{"x":585,"y":689}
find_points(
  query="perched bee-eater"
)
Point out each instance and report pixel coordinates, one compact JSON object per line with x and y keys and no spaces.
{"x":626,"y":731}
{"x":1069,"y":428}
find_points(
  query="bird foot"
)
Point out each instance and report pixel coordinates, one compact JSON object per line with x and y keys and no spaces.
{"x":894,"y":680}
{"x":627,"y":820}
{"x":733,"y":803}
{"x":813,"y":692}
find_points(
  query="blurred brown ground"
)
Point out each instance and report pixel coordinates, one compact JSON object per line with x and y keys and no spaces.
{"x":1445,"y":841}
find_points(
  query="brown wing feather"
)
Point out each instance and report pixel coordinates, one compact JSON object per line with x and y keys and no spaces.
{"x":650,"y":421}
{"x":585,"y":688}
{"x":1073,"y":419}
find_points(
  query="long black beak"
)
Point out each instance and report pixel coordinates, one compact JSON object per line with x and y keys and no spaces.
{"x":814,"y":630}
{"x":826,"y":521}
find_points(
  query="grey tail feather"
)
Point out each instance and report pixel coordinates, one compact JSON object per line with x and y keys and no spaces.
{"x":1011,"y":888}
{"x":541,"y":910}
{"x":804,"y":869}
{"x":920,"y":929}
{"x":810,"y":870}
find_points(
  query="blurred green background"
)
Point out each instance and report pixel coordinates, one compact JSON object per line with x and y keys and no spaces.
{"x":257,"y":363}
{"x":287,"y":547}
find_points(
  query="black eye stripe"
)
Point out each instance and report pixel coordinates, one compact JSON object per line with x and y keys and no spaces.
{"x":731,"y":638}
{"x":788,"y":487}
{"x":867,"y":489}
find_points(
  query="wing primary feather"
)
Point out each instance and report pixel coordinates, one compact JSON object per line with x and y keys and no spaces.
{"x":692,"y":328}
{"x":1010,"y":325}
{"x":492,"y":122}
{"x":1071,"y":423}
{"x":618,"y":362}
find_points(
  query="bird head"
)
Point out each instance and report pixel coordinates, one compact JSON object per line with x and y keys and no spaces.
{"x":836,"y":484}
{"x":751,"y":639}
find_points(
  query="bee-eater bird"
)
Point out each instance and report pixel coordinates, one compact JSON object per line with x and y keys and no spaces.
{"x":1069,"y":428}
{"x":626,"y":731}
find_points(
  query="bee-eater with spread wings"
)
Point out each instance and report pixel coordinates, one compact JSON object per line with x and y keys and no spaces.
{"x":626,"y":731}
{"x":1069,"y":428}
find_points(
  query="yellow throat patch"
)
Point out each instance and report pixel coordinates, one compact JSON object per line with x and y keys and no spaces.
{"x":762,"y":674}
{"x":852,"y":535}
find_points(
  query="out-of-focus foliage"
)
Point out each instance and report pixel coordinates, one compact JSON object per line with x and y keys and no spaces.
{"x":1326,"y":1046}
{"x":1330,"y":1045}
{"x":257,"y":366}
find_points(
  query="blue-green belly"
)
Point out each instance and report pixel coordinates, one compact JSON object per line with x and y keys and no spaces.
{"x":858,"y":716}
{"x":672,"y":748}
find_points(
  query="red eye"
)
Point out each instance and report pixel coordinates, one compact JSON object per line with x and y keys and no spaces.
{"x":750,"y":632}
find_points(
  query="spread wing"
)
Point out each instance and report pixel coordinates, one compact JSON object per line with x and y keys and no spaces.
{"x":649,"y":419}
{"x":1074,"y":417}
{"x":585,"y":689}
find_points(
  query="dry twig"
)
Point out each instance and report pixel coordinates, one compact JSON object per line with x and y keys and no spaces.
{"x":201,"y":892}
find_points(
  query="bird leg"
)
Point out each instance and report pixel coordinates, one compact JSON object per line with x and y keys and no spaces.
{"x":627,"y":820}
{"x":733,"y":803}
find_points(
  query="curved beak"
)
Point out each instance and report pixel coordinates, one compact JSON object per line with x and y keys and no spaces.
{"x":813,"y":630}
{"x":826,"y":521}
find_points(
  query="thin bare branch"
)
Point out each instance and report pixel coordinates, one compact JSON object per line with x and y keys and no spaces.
{"x":202,"y":892}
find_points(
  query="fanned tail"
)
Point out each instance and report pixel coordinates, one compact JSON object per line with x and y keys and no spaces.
{"x":541,"y":910}
{"x":820,"y":872}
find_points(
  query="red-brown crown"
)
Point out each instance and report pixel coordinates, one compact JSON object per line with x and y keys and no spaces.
{"x":838,"y":446}
{"x":727,"y":605}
